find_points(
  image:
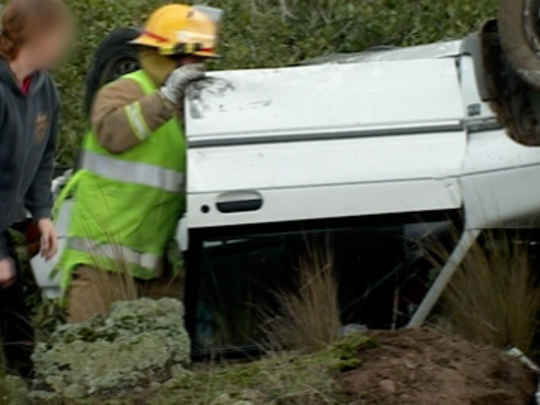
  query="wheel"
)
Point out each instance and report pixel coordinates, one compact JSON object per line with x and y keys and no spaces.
{"x":519,"y":27}
{"x":114,"y":58}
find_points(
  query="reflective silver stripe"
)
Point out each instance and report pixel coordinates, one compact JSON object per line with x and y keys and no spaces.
{"x":136,"y":120}
{"x":133,"y":172}
{"x":114,"y":252}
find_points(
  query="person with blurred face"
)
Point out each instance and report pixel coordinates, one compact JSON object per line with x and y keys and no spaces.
{"x":34,"y":35}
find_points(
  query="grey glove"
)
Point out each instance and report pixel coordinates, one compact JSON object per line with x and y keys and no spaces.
{"x":174,"y":87}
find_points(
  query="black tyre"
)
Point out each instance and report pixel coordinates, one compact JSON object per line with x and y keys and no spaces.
{"x":519,"y":27}
{"x":114,"y":57}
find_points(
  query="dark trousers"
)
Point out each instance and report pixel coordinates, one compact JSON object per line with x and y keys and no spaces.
{"x":16,"y":332}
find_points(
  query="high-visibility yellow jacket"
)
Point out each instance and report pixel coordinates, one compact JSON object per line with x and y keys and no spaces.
{"x":126,"y":206}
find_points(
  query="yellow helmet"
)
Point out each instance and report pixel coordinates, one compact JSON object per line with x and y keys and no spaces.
{"x":180,"y":29}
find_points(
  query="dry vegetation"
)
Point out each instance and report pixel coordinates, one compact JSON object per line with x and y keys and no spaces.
{"x":494,"y":298}
{"x":308,"y":319}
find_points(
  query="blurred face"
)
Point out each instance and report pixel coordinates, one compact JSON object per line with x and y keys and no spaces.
{"x":160,"y":67}
{"x":46,"y":50}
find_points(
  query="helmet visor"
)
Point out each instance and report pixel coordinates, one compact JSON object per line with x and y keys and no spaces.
{"x":213,"y":13}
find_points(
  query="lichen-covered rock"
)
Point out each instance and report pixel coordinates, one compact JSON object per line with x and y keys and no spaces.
{"x":138,"y":342}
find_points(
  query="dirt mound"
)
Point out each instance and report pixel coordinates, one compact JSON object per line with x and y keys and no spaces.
{"x":426,"y":367}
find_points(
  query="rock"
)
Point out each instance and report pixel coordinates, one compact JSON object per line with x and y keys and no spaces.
{"x":250,"y":395}
{"x":178,"y":372}
{"x":223,"y":399}
{"x":74,"y":391}
{"x":138,"y":341}
{"x":245,"y":397}
{"x":409,"y":364}
{"x":155,"y":385}
{"x":43,"y":397}
{"x":352,"y":329}
{"x":388,"y":385}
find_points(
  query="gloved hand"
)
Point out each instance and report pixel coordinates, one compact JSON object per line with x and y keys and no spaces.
{"x":176,"y":84}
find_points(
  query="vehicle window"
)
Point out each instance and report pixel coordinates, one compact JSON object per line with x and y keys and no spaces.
{"x":241,"y":276}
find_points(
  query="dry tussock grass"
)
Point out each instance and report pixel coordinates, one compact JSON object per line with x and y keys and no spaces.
{"x":308,"y":319}
{"x":494,"y":298}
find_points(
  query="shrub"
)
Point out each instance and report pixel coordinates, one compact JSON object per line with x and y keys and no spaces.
{"x":270,"y":33}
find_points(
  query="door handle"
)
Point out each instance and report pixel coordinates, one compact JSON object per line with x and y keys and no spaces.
{"x":239,"y":201}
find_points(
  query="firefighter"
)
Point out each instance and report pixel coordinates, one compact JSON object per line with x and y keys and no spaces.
{"x":129,"y":193}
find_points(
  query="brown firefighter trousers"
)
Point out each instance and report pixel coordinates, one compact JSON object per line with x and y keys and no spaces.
{"x":93,"y":290}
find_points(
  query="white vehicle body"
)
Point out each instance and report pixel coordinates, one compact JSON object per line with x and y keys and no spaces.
{"x":384,"y":132}
{"x":392,"y":131}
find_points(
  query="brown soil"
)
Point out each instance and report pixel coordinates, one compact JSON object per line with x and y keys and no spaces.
{"x":426,"y":367}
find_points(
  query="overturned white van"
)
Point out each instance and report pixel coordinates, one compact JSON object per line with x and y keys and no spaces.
{"x":347,"y":147}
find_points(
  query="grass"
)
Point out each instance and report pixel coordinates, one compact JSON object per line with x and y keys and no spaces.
{"x":285,"y":379}
{"x":308,"y":319}
{"x":494,"y":298}
{"x":279,"y":379}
